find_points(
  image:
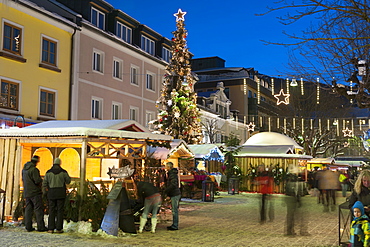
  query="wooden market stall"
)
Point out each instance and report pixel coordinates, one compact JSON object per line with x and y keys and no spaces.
{"x":87,"y":149}
{"x":275,"y":151}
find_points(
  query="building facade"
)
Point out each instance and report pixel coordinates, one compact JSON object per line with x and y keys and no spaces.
{"x":35,"y":63}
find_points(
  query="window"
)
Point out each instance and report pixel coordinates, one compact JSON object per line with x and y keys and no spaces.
{"x":49,"y":51}
{"x":249,"y":94}
{"x":134,"y":113}
{"x":166,"y":54}
{"x":117,"y":68}
{"x":96,"y":108}
{"x":97,"y":18}
{"x":47,"y":103}
{"x":116,"y":110}
{"x":98,"y":61}
{"x":124,"y":32}
{"x":9,"y":95}
{"x":149,"y":116}
{"x":12,"y":40}
{"x":147,"y":45}
{"x":150,"y":81}
{"x":134,"y":75}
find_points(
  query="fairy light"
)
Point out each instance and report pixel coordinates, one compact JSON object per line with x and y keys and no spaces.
{"x":293,"y":123}
{"x":302,"y":123}
{"x":302,"y":88}
{"x":278,"y":122}
{"x":261,"y":121}
{"x":287,"y":85}
{"x":311,"y":123}
{"x":269,"y":119}
{"x":285,"y":125}
{"x":258,"y":91}
{"x":318,"y":91}
{"x":352,"y":124}
{"x":245,"y":86}
{"x":360,"y":122}
{"x":320,"y":126}
{"x":351,"y":89}
{"x":337,"y":121}
{"x":328,"y":124}
{"x":272,"y":86}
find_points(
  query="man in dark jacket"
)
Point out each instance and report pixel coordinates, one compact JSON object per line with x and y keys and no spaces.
{"x":55,"y":184}
{"x":173,"y":191}
{"x":33,"y":195}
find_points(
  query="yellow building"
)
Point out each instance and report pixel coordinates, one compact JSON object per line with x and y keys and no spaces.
{"x":35,"y":62}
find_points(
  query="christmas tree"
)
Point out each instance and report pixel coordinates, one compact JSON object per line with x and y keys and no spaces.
{"x":178,"y":113}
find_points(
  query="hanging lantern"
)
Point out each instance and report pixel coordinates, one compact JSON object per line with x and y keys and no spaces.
{"x":208,"y":190}
{"x":293,"y":83}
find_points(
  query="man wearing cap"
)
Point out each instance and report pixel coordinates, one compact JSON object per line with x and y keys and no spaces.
{"x":55,"y":185}
{"x":33,"y":195}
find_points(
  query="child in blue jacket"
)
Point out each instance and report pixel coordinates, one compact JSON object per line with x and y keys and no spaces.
{"x":360,"y":227}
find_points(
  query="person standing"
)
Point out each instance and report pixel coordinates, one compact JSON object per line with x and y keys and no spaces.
{"x":361,"y":191}
{"x":55,"y":185}
{"x":173,"y":191}
{"x":33,"y":195}
{"x":148,"y":193}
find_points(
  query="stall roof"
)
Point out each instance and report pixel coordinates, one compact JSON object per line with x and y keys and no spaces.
{"x":80,"y":132}
{"x":207,"y":152}
{"x":117,"y":124}
{"x":274,"y":151}
{"x":271,"y":139}
{"x":322,"y":161}
{"x":177,"y":145}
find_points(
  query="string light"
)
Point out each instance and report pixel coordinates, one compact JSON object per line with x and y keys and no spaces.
{"x":320,"y":126}
{"x":328,"y":124}
{"x":272,"y":86}
{"x":269,"y":124}
{"x":302,"y":125}
{"x":293,"y":123}
{"x":351,"y":89}
{"x":258,"y":91}
{"x":287,"y":85}
{"x":285,"y":125}
{"x":318,"y":91}
{"x":245,"y":86}
{"x":302,"y":88}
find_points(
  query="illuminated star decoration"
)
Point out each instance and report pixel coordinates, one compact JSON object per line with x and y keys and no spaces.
{"x":347,"y":132}
{"x":282,"y":97}
{"x":251,"y":126}
{"x":180,"y":15}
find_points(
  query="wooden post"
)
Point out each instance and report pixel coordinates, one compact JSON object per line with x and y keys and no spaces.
{"x":1,"y":162}
{"x":10,"y":177}
{"x":82,"y":173}
{"x":17,"y":175}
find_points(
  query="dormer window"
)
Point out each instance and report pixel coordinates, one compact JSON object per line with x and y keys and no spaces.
{"x":124,"y":32}
{"x":97,"y":18}
{"x":147,"y":45}
{"x":166,"y":54}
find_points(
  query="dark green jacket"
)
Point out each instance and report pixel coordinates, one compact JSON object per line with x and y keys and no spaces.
{"x":55,"y":181}
{"x":31,"y":180}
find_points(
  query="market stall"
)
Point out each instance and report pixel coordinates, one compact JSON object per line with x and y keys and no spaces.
{"x":87,"y":149}
{"x":276,"y":152}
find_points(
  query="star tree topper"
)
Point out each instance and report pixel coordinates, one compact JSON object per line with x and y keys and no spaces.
{"x":282,"y":97}
{"x":180,"y":15}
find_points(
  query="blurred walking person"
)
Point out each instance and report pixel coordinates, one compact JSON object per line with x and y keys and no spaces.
{"x":33,"y":195}
{"x":328,"y":185}
{"x":54,"y":184}
{"x":344,"y":180}
{"x":295,"y":191}
{"x":265,"y":184}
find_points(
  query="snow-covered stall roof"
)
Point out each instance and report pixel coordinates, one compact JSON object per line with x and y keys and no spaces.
{"x":322,"y":161}
{"x":177,"y":146}
{"x":282,"y":151}
{"x":118,"y":124}
{"x":80,"y":132}
{"x":271,"y":139}
{"x":207,"y":152}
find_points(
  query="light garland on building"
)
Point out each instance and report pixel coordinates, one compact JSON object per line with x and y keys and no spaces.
{"x":318,"y":91}
{"x":272,"y":86}
{"x":302,"y":88}
{"x":258,"y":91}
{"x":282,"y":97}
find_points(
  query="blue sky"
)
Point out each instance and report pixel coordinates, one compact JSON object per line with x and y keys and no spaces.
{"x":230,"y":30}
